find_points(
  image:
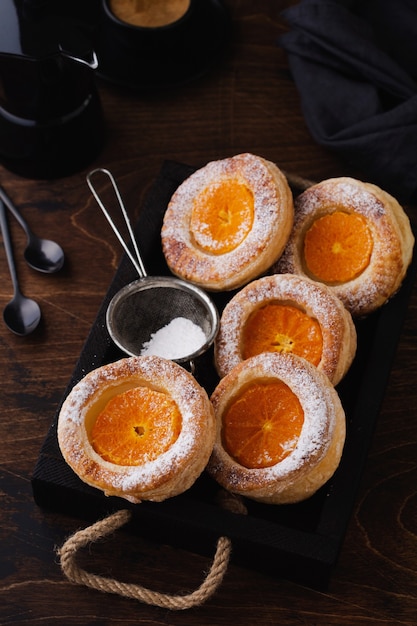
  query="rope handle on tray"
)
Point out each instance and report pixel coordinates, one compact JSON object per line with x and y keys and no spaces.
{"x":105,"y":527}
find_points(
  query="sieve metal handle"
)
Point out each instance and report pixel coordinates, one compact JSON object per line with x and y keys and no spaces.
{"x":137,"y":262}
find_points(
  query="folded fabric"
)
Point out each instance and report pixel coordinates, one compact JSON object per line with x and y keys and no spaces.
{"x":354,"y":64}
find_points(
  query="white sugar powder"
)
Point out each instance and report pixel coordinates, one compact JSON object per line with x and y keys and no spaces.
{"x":178,"y":339}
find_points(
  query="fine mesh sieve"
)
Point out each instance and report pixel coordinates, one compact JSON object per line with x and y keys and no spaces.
{"x":148,"y":305}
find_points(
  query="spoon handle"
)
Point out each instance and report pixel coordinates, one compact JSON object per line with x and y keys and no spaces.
{"x":13,"y":209}
{"x":8,"y":246}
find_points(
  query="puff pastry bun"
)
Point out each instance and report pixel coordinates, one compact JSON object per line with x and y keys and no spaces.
{"x":228,"y":222}
{"x":287,"y":313}
{"x":309,"y":427}
{"x":177,"y":424}
{"x":354,"y":237}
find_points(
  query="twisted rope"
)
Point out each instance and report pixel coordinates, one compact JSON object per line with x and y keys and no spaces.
{"x":103,"y":528}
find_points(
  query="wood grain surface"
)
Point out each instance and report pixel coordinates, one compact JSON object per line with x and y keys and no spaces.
{"x":246,"y":103}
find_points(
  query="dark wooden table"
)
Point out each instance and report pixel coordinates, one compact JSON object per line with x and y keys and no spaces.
{"x":248,"y":103}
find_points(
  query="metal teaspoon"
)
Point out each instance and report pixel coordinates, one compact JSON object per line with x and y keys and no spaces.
{"x":40,"y":254}
{"x":21,"y":315}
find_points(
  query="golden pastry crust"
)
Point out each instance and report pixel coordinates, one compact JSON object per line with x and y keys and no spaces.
{"x":316,"y":300}
{"x":392,"y":239}
{"x":174,"y":470}
{"x":257,"y":250}
{"x":319,"y":447}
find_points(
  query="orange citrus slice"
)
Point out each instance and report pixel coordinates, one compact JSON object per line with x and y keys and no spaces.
{"x":222,"y":217}
{"x":338,"y":247}
{"x":282,"y":328}
{"x":262,"y":425}
{"x":136,"y":426}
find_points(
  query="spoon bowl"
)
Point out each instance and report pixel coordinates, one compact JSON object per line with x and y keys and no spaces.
{"x":43,"y":255}
{"x":21,"y":315}
{"x":40,"y":254}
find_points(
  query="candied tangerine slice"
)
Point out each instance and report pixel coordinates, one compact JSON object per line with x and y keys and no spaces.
{"x":338,"y":247}
{"x":222,"y":217}
{"x":263,"y":424}
{"x":282,"y":328}
{"x":136,"y":426}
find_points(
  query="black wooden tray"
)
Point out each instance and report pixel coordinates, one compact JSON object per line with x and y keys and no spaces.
{"x":299,"y":542}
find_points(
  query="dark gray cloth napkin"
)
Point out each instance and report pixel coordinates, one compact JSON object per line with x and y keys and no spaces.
{"x":354,"y":63}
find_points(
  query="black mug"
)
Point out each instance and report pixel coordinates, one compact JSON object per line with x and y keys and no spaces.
{"x":51,"y":121}
{"x":162,"y":56}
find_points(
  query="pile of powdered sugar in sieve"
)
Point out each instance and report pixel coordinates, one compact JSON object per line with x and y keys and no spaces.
{"x":178,"y":339}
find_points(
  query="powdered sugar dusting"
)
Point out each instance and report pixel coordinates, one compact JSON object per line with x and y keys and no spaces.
{"x":383,"y":215}
{"x":318,"y":399}
{"x":178,"y":339}
{"x":273,"y":217}
{"x":129,"y":481}
{"x":315,"y":436}
{"x":314,"y":299}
